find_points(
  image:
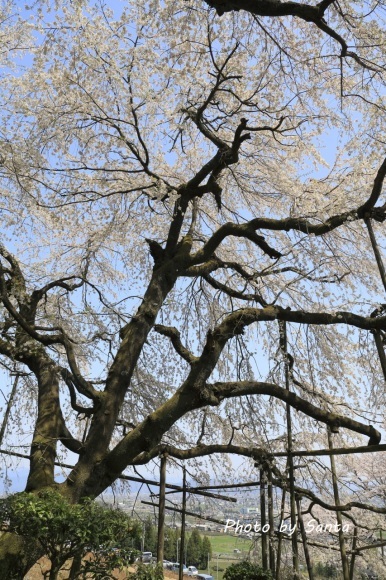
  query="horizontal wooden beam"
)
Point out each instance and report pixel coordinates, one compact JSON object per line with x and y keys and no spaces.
{"x":206,"y":518}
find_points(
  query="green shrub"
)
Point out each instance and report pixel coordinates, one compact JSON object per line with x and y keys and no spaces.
{"x":246,"y":571}
{"x":63,"y":531}
{"x":147,"y":573}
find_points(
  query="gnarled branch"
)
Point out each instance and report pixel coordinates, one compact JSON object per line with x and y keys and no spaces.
{"x":228,"y":390}
{"x":175,"y":338}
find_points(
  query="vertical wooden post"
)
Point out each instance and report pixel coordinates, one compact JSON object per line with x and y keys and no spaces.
{"x":304,"y":538}
{"x":263,"y":520}
{"x":294,"y":537}
{"x":271,"y":524}
{"x":382,"y":272}
{"x":161,"y":510}
{"x":376,"y":251}
{"x":291,"y":475}
{"x":342,"y":545}
{"x":381,"y":350}
{"x":280,"y":535}
{"x":353,"y":554}
{"x":182,"y":545}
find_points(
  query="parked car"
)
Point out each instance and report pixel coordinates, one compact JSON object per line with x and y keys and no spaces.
{"x":146,"y":557}
{"x":192,"y":571}
{"x":170,"y":565}
{"x":204,"y":577}
{"x":176,"y":568}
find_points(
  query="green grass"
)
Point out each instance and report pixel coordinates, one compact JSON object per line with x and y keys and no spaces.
{"x":224,"y":544}
{"x":222,"y":566}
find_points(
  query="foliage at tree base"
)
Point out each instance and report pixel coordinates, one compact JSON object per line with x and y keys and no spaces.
{"x":62,"y":531}
{"x":147,"y":573}
{"x":246,"y":571}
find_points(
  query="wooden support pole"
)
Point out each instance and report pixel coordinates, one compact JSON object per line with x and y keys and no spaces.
{"x":280,"y":535}
{"x":382,"y":272}
{"x":294,"y":537}
{"x":342,"y":545}
{"x":271,"y":536}
{"x":304,"y":539}
{"x":263,"y":520}
{"x":359,"y":449}
{"x":206,"y":494}
{"x":182,"y":545}
{"x":291,"y":474}
{"x":381,"y":351}
{"x":176,"y":510}
{"x":161,"y":510}
{"x":178,"y":488}
{"x":226,"y":486}
{"x":376,"y":251}
{"x":336,"y":451}
{"x":353,"y":553}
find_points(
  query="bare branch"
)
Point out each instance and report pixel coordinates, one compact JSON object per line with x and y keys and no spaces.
{"x":68,"y":440}
{"x":234,"y":293}
{"x":37,"y":295}
{"x":29,"y":329}
{"x":70,"y":381}
{"x":241,"y":388}
{"x":175,"y":337}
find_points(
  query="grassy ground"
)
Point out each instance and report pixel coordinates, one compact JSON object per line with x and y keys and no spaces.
{"x":223,"y":546}
{"x":222,"y":566}
{"x":225,"y":543}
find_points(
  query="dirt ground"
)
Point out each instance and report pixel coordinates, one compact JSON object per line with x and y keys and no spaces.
{"x":37,"y":572}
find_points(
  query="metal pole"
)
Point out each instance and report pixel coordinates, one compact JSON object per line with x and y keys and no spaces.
{"x":161,"y":510}
{"x":218,"y":555}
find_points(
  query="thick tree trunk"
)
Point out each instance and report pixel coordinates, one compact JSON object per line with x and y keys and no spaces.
{"x":17,"y":556}
{"x":46,"y":433}
{"x":75,"y":567}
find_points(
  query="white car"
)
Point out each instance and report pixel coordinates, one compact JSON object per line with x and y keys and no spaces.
{"x":176,"y":568}
{"x":192,"y":571}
